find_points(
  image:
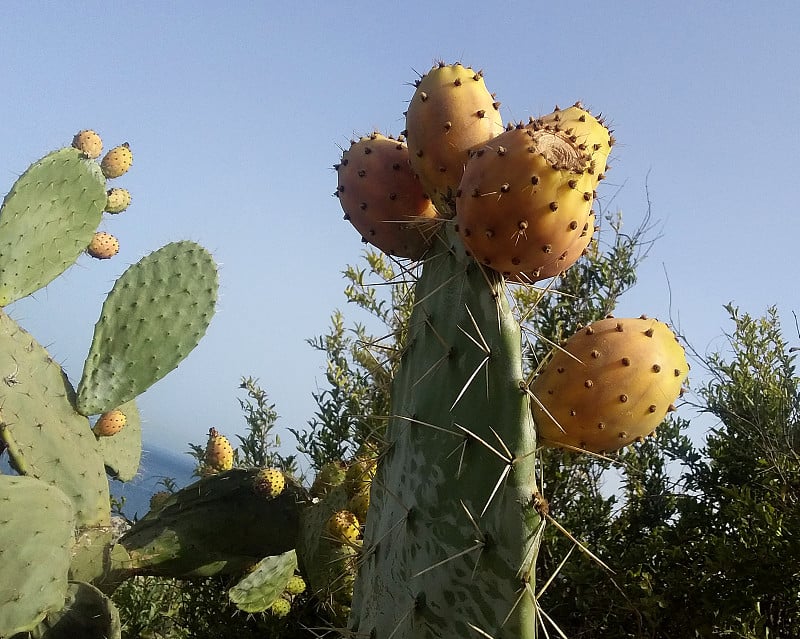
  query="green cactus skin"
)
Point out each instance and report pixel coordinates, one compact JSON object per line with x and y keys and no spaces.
{"x":123,"y":452}
{"x":258,"y":590}
{"x":47,"y":439}
{"x":450,"y":539}
{"x":151,"y":320}
{"x":36,"y":526}
{"x":47,"y":220}
{"x":87,"y":613}
{"x":213,"y":526}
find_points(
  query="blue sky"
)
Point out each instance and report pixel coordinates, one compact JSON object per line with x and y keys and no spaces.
{"x":234,"y":112}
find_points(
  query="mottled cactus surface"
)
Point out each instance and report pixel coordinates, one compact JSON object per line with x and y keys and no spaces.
{"x":450,"y":543}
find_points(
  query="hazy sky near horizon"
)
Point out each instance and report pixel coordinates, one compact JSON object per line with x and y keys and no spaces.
{"x":236,"y":111}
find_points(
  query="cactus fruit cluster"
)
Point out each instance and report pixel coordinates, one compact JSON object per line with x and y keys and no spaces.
{"x":55,"y":538}
{"x":454,"y":510}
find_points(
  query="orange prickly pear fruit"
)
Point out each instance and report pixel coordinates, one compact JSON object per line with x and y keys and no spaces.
{"x":609,"y":385}
{"x":117,"y":200}
{"x":450,"y":113}
{"x":88,"y":143}
{"x":270,"y":482}
{"x":103,"y":246}
{"x":382,"y":198}
{"x":344,"y":526}
{"x":117,"y":161}
{"x":110,"y":423}
{"x":219,"y":452}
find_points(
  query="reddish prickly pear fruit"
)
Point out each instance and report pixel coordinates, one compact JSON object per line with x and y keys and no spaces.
{"x":382,"y":198}
{"x":451,"y":112}
{"x":110,"y":423}
{"x":329,"y":476}
{"x":270,"y":482}
{"x":610,"y":385}
{"x":219,"y":452}
{"x":117,"y":161}
{"x":280,"y":607}
{"x":117,"y":200}
{"x":103,"y":246}
{"x":344,"y":526}
{"x":296,"y":585}
{"x":523,"y":200}
{"x":565,"y":260}
{"x":89,"y":143}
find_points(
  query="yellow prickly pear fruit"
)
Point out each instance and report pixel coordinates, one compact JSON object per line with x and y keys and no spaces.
{"x":609,"y":385}
{"x":103,"y":246}
{"x":382,"y":198}
{"x":450,"y":113}
{"x":280,"y":607}
{"x":296,"y":585}
{"x":329,"y":476}
{"x":110,"y":423}
{"x":359,"y":474}
{"x":117,"y":161}
{"x":270,"y":482}
{"x":88,"y":143}
{"x":344,"y":526}
{"x":219,"y":452}
{"x":359,"y":504}
{"x":117,"y":200}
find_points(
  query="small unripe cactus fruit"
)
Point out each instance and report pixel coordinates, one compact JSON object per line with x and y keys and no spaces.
{"x":609,"y":385}
{"x":359,"y":504}
{"x":270,"y":482}
{"x":219,"y":452}
{"x":88,"y":143}
{"x":110,"y":423}
{"x":280,"y":607}
{"x":359,"y":474}
{"x":117,"y":200}
{"x":103,"y":246}
{"x":344,"y":526}
{"x":296,"y":585}
{"x":117,"y":161}
{"x":329,"y":476}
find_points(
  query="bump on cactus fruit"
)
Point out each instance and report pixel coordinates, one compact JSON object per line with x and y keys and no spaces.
{"x":524,"y":200}
{"x":382,"y":198}
{"x":110,"y":423}
{"x":344,"y":526}
{"x":89,"y":143}
{"x":270,"y":482}
{"x":451,"y":113}
{"x":609,"y":385}
{"x":103,"y":246}
{"x":219,"y":452}
{"x":117,"y":161}
{"x":296,"y":585}
{"x":280,"y":607}
{"x":117,"y":200}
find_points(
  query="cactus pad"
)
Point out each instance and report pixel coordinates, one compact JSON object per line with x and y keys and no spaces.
{"x":151,"y":320}
{"x":257,"y":591}
{"x":47,"y":220}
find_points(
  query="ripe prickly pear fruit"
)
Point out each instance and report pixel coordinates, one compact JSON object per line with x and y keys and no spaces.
{"x":280,"y":607}
{"x":609,"y":385}
{"x":296,"y":585}
{"x":110,"y":423}
{"x":450,"y":113}
{"x":117,"y":161}
{"x":270,"y":482}
{"x":359,"y":474}
{"x":103,"y":246}
{"x":524,"y":199}
{"x":219,"y":452}
{"x":329,"y":476}
{"x":117,"y":200}
{"x":159,"y":499}
{"x":344,"y":526}
{"x":382,"y":197}
{"x":89,"y":143}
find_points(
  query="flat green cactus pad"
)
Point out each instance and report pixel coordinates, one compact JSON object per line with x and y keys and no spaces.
{"x":87,"y":613}
{"x":46,"y":437}
{"x":36,"y":526}
{"x":122,"y":452}
{"x":258,"y":590}
{"x":47,"y":220}
{"x":151,"y":320}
